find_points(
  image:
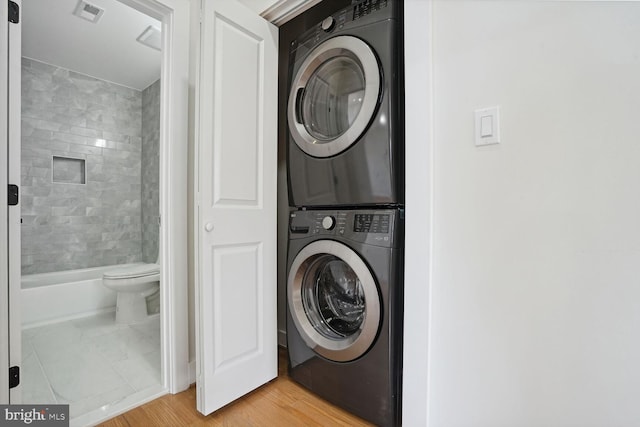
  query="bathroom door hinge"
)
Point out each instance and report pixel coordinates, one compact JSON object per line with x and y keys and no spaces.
{"x":14,"y":12}
{"x":13,"y":195}
{"x":14,"y":376}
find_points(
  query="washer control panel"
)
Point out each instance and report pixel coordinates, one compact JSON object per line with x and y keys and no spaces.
{"x":371,"y":223}
{"x":376,"y":227}
{"x":328,"y":222}
{"x":328,"y":24}
{"x":367,"y":6}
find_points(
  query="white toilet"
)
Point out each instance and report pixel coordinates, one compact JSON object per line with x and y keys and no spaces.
{"x":134,"y":284}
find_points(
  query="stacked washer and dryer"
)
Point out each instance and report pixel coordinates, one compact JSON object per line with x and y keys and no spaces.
{"x":346,"y":229}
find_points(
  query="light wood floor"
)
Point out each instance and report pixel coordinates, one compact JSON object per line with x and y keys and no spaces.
{"x":280,"y":403}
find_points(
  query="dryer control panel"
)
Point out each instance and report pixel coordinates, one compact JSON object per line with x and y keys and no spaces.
{"x":362,"y":12}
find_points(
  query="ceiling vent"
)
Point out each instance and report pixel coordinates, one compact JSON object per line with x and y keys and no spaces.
{"x":151,"y":37}
{"x":88,"y":11}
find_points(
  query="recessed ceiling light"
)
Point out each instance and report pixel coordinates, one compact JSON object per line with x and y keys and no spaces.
{"x":88,"y":11}
{"x":151,"y":37}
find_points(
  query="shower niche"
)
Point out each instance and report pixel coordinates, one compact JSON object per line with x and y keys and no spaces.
{"x":68,"y":170}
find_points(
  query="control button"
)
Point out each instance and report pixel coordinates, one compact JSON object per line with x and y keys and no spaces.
{"x":328,"y":24}
{"x":328,"y":222}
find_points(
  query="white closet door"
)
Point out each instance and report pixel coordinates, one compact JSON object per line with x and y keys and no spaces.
{"x":236,"y":220}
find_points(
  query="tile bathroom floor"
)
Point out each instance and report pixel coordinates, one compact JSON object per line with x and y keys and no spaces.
{"x":90,"y":363}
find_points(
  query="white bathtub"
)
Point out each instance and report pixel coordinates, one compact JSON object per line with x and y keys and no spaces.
{"x":65,"y":295}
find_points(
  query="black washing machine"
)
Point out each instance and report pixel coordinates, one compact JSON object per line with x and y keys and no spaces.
{"x":344,"y":111}
{"x":344,"y":317}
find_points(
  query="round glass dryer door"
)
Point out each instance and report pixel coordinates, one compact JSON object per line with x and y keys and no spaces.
{"x":333,"y":96}
{"x":334,"y":301}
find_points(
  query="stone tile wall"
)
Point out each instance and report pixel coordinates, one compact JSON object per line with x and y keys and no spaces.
{"x":71,"y":226}
{"x":150,"y":171}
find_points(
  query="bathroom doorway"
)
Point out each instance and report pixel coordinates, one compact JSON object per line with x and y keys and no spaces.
{"x":94,"y":172}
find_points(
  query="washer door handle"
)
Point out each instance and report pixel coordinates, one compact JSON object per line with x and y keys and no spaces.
{"x":208,"y":226}
{"x":298,"y":105}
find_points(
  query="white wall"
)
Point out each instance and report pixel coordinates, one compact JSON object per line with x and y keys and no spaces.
{"x":536,"y":274}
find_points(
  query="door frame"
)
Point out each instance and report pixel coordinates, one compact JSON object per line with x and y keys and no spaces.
{"x":14,"y":156}
{"x":174,"y":15}
{"x":4,"y":212}
{"x":419,"y":199}
{"x":174,"y":130}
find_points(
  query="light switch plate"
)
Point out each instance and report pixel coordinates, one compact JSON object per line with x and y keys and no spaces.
{"x":487,"y":127}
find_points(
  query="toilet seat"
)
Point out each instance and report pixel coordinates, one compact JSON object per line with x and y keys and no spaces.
{"x":136,"y":278}
{"x":135,"y":271}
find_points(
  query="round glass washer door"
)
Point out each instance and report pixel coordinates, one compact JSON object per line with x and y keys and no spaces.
{"x":334,"y":300}
{"x":334,"y":96}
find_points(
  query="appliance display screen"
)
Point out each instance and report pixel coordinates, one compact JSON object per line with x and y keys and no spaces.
{"x":371,"y":223}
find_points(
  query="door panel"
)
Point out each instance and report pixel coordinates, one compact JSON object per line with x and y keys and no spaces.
{"x":239,"y":119}
{"x":237,"y":160}
{"x":237,"y":331}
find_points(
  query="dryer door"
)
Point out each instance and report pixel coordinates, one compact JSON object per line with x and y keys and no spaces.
{"x":334,"y":96}
{"x":334,"y":300}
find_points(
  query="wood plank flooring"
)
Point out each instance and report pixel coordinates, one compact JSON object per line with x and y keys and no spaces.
{"x":280,"y":403}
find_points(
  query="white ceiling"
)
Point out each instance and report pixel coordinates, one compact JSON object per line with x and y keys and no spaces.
{"x":107,"y":50}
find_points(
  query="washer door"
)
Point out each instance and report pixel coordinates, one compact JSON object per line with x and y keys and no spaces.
{"x":333,"y":96}
{"x":334,"y":301}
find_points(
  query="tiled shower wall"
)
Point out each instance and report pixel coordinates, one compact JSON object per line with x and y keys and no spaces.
{"x":69,"y":226}
{"x":150,"y":171}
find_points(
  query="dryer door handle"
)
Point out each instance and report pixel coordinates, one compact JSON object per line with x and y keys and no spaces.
{"x":298,"y":105}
